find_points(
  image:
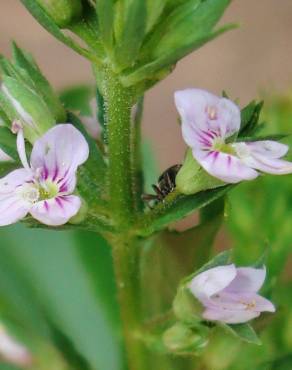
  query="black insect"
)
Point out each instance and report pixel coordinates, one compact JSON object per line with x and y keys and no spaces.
{"x":165,"y":184}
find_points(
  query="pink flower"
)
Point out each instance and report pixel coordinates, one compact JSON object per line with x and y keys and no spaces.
{"x":207,"y":121}
{"x":229,"y":294}
{"x":44,"y":188}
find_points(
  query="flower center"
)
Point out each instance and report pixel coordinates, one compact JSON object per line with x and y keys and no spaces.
{"x":48,"y":189}
{"x":219,"y":145}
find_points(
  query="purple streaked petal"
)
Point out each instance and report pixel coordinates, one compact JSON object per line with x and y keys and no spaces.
{"x":202,"y":110}
{"x":212,"y":281}
{"x":225,"y":167}
{"x":58,"y":211}
{"x":10,"y":182}
{"x":62,"y":147}
{"x":247,"y":280}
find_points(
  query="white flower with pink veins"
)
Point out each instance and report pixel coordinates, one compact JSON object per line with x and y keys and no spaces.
{"x":230,"y":294}
{"x":44,"y":187}
{"x":207,"y":121}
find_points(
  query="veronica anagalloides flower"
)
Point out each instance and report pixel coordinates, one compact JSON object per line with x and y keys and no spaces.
{"x":207,"y":122}
{"x":230,"y":294}
{"x":44,"y":187}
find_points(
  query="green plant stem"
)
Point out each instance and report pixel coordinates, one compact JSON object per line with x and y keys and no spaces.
{"x":126,"y":264}
{"x":118,"y":102}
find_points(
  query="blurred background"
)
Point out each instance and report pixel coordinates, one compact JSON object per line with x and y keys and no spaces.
{"x":57,"y":290}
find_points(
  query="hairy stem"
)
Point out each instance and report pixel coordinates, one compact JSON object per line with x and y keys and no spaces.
{"x":126,"y":263}
{"x":118,"y":102}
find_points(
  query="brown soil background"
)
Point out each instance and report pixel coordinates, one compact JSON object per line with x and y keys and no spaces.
{"x":243,"y":62}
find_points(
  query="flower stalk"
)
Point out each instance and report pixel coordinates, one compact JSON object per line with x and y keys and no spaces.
{"x":118,"y":102}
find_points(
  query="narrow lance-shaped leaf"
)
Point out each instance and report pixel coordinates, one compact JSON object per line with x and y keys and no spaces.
{"x":154,"y":11}
{"x":105,"y":15}
{"x":131,"y":31}
{"x":61,"y":283}
{"x":176,"y":207}
{"x":40,"y":82}
{"x":245,"y":332}
{"x":8,"y":143}
{"x":200,"y":17}
{"x":161,"y":66}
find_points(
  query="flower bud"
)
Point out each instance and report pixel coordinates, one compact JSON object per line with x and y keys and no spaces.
{"x":28,"y":107}
{"x":192,"y":178}
{"x":63,"y":12}
{"x":186,"y":308}
{"x":27,"y":96}
{"x":181,"y":339}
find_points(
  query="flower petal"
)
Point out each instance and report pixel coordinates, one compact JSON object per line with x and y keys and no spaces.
{"x":12,"y":209}
{"x":14,"y":179}
{"x":203,"y":110}
{"x":268,"y":148}
{"x":247,"y":280}
{"x":56,"y":211}
{"x":212,"y":281}
{"x":228,"y":316}
{"x":59,"y":152}
{"x":269,"y":165}
{"x":223,"y":166}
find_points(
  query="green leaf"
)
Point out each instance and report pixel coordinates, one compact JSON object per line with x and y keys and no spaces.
{"x":48,"y":23}
{"x":154,"y":11}
{"x":149,"y":69}
{"x":245,"y":332}
{"x":77,"y":99}
{"x":32,"y":104}
{"x":281,"y":363}
{"x":105,"y":14}
{"x":6,"y":167}
{"x":4,"y":120}
{"x":60,"y":280}
{"x":63,"y":12}
{"x":131,"y":31}
{"x":250,"y":119}
{"x":8,"y":143}
{"x":95,"y":254}
{"x":275,"y":137}
{"x":41,"y":84}
{"x":92,"y":173}
{"x":175,"y":207}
